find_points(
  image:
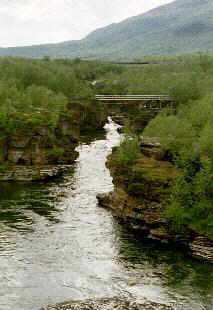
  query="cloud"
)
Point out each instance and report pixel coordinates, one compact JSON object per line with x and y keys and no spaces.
{"x":26,"y":22}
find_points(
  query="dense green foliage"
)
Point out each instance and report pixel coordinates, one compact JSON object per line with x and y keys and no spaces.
{"x":37,"y":92}
{"x":127,"y":153}
{"x":184,"y":79}
{"x":28,"y":108}
{"x":183,"y":26}
{"x":188,"y":137}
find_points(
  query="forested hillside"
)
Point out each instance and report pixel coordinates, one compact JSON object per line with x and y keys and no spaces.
{"x":182,"y":26}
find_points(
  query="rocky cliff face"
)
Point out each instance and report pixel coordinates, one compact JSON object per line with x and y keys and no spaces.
{"x":36,"y":155}
{"x":39,"y":147}
{"x":45,"y":152}
{"x":140,"y":198}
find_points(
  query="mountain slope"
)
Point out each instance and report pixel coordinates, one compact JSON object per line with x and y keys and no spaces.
{"x":179,"y":27}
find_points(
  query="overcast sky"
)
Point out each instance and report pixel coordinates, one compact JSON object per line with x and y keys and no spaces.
{"x":26,"y":22}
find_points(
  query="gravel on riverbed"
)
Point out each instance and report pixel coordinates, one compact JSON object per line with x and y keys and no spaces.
{"x":108,"y":304}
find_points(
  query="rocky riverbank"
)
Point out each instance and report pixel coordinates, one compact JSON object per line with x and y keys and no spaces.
{"x":47,"y":152}
{"x":108,"y":304}
{"x":140,"y":198}
{"x":33,"y":156}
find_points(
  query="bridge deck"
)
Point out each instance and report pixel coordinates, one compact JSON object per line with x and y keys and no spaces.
{"x":154,"y":102}
{"x":133,"y":98}
{"x":145,"y":101}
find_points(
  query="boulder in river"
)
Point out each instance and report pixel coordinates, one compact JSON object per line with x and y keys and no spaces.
{"x":108,"y":304}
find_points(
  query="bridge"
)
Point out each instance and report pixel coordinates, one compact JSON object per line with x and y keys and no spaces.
{"x":153,"y":102}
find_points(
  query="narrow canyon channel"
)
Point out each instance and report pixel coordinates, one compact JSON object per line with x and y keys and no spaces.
{"x":56,"y":244}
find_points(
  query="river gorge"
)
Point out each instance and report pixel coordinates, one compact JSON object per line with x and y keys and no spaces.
{"x":57,"y":244}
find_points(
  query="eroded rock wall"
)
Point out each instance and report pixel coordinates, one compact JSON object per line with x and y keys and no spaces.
{"x":38,"y":154}
{"x":140,"y":198}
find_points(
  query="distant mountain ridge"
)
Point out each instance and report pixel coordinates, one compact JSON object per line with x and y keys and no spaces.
{"x":179,"y":27}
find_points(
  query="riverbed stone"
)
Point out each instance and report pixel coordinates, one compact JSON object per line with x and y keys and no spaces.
{"x":151,"y":148}
{"x":202,"y":248}
{"x":109,"y":304}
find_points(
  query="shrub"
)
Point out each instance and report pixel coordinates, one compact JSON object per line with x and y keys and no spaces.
{"x":127,"y":153}
{"x":185,"y":90}
{"x":30,"y":108}
{"x":192,"y":199}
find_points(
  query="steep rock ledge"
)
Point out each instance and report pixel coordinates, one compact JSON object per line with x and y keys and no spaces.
{"x":37,"y":155}
{"x":45,"y":152}
{"x":140,"y":198}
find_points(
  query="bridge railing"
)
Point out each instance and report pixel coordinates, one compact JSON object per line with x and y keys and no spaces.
{"x":133,"y":98}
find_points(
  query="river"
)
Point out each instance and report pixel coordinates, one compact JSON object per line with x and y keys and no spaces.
{"x":56,"y":244}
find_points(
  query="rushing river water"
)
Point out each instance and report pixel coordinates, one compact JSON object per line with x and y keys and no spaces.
{"x":56,"y":244}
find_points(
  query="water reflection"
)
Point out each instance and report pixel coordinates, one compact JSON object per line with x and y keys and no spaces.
{"x":154,"y":266}
{"x":20,"y":203}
